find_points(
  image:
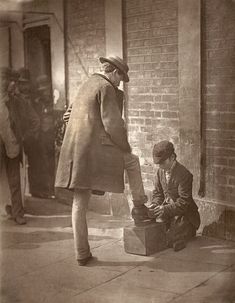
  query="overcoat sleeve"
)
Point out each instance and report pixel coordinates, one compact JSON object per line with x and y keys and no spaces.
{"x":7,"y":135}
{"x":111,"y":118}
{"x":158,"y":194}
{"x":184,"y":199}
{"x":120,"y":100}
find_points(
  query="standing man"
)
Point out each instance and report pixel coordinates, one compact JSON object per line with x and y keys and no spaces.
{"x":95,"y":151}
{"x":42,"y":160}
{"x":10,"y":151}
{"x":172,"y":200}
{"x":11,"y":143}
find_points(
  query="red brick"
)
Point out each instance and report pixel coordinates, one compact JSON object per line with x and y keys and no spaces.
{"x":231,"y":181}
{"x":147,"y":113}
{"x":221,"y":180}
{"x":167,"y":114}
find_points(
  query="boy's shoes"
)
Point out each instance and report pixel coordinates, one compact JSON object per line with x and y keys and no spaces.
{"x":20,"y":220}
{"x":178,"y":245}
{"x":83,"y":262}
{"x":97,"y":192}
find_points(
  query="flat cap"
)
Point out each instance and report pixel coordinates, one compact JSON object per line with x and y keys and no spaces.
{"x":162,"y":151}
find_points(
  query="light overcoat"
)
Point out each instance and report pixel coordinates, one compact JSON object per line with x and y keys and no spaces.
{"x":95,"y":140}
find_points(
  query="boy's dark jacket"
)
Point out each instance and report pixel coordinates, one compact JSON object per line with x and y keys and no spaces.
{"x":176,"y":196}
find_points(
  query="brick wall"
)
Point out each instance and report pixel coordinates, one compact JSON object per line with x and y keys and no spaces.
{"x":85,"y":40}
{"x":218,"y":84}
{"x":150,"y":46}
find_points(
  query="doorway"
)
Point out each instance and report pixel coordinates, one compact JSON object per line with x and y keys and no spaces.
{"x":41,"y":155}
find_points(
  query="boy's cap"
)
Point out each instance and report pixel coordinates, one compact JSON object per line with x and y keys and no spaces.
{"x":162,"y":151}
{"x":119,"y":63}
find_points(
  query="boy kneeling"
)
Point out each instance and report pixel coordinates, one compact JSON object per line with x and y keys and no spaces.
{"x":172,"y":200}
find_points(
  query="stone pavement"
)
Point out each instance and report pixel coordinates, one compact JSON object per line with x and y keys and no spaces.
{"x":37,"y":264}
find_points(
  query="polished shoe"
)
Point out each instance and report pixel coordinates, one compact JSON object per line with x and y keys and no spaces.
{"x":178,"y":245}
{"x":20,"y":220}
{"x":140,"y":215}
{"x":83,"y":262}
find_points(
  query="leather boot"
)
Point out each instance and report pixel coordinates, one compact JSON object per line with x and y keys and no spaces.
{"x":140,"y":215}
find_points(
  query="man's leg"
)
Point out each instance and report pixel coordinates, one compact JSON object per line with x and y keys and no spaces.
{"x":79,"y":223}
{"x":13,"y":175}
{"x":132,"y":167}
{"x":139,"y":211}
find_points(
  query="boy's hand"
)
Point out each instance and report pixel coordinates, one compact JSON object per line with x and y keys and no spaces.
{"x":159,"y":211}
{"x":155,"y":211}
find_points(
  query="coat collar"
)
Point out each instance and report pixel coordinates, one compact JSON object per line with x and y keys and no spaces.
{"x":103,"y":76}
{"x":172,"y":171}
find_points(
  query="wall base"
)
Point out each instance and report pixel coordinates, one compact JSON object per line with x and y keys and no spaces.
{"x":217,"y":220}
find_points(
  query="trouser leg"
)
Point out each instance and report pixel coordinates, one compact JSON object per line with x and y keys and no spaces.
{"x":79,"y":223}
{"x":132,"y":167}
{"x":13,"y":175}
{"x":139,"y":211}
{"x":180,"y":229}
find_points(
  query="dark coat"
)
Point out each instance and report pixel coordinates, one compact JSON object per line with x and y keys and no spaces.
{"x":25,"y":122}
{"x":179,"y":193}
{"x":95,"y":140}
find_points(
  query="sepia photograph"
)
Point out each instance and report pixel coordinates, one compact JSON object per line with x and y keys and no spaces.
{"x":117,"y":151}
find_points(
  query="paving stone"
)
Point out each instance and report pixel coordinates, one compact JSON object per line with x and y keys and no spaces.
{"x":177,"y":276}
{"x":218,"y":289}
{"x":205,"y":250}
{"x":124,"y":292}
{"x":38,"y":265}
{"x":145,"y":240}
{"x":25,"y":258}
{"x":113,"y":257}
{"x":55,"y":278}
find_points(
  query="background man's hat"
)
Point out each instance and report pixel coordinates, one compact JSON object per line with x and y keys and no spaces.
{"x":118,"y":63}
{"x":24,"y":75}
{"x":162,"y":151}
{"x":42,"y":82}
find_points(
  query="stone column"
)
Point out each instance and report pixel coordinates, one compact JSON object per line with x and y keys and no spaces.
{"x":189,"y":50}
{"x":113,"y":27}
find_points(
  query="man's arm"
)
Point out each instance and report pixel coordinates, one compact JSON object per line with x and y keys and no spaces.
{"x":111,"y":117}
{"x":7,"y":135}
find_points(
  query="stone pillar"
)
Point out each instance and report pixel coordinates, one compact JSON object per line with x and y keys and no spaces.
{"x":114,"y":46}
{"x":113,"y":27}
{"x":57,"y":53}
{"x":17,"y":42}
{"x":189,"y":52}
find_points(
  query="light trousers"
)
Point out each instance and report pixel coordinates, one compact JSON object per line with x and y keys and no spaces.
{"x":13,"y":175}
{"x":81,"y":199}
